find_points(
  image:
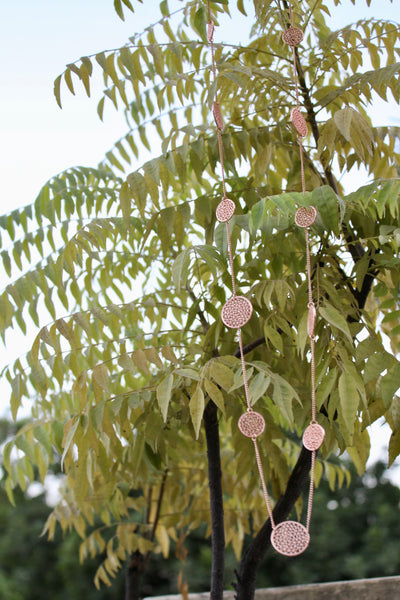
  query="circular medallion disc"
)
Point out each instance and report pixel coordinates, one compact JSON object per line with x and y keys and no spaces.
{"x":236,"y":312}
{"x":290,"y":538}
{"x":251,"y":424}
{"x":313,"y":436}
{"x":292,"y":36}
{"x":305,"y":217}
{"x":299,"y":122}
{"x":225,"y":210}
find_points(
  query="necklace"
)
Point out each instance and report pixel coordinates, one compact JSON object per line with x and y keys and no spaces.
{"x":289,"y":538}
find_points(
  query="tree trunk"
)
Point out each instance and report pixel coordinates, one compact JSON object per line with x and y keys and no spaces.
{"x":133,"y":576}
{"x":251,"y":560}
{"x":216,"y":502}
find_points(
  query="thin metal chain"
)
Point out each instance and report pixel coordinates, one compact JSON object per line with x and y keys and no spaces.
{"x":216,"y":110}
{"x":244,"y":370}
{"x":237,"y":319}
{"x":311,"y":305}
{"x":264,"y":486}
{"x":311,"y":491}
{"x":230,"y":254}
{"x":296,"y":85}
{"x":218,"y":120}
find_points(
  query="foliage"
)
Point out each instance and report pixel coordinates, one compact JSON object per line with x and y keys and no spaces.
{"x":129,"y":264}
{"x":361,"y":521}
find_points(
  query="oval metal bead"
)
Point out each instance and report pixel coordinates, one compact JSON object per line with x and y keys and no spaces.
{"x":299,"y":122}
{"x":312,"y":315}
{"x":210,"y":30}
{"x":218,"y":116}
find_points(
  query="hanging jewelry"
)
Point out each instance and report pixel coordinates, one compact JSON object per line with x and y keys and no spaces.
{"x":289,"y":538}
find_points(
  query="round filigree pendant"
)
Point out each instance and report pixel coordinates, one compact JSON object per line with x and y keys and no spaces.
{"x":305,"y":217}
{"x":293,"y":36}
{"x":251,"y":424}
{"x":290,"y":538}
{"x":225,"y":210}
{"x":313,"y":436}
{"x":236,"y":312}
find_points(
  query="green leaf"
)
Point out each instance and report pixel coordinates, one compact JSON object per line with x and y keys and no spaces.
{"x":215,"y":394}
{"x":69,"y":434}
{"x":196,"y":407}
{"x":394,"y":447}
{"x":164,"y":391}
{"x":325,"y":387}
{"x":180,"y":269}
{"x":360,"y":450}
{"x":125,"y":201}
{"x":326,"y":202}
{"x":57,"y":93}
{"x":390,"y":384}
{"x":101,"y":377}
{"x":200,"y":22}
{"x":343,"y":120}
{"x":283,"y":397}
{"x":188,"y":372}
{"x":15,"y":401}
{"x":349,"y":400}
{"x":258,"y":387}
{"x":376,"y":364}
{"x":221,"y":374}
{"x":118,"y":9}
{"x":333,"y":316}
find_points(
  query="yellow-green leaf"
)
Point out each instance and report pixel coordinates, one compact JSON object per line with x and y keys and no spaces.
{"x":164,"y":390}
{"x":349,"y":400}
{"x":196,"y":407}
{"x":215,"y":394}
{"x":333,"y":316}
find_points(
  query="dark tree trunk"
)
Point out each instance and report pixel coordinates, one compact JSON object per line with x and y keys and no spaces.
{"x":133,"y":576}
{"x":216,"y":502}
{"x":246,"y":576}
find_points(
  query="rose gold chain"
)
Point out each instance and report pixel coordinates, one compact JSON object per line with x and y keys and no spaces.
{"x":219,"y":128}
{"x":314,"y":433}
{"x":289,"y":538}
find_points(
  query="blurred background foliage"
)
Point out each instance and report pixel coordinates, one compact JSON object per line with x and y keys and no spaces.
{"x":355,"y":535}
{"x":121,"y":270}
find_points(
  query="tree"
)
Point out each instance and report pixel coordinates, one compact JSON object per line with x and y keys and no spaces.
{"x":135,"y":383}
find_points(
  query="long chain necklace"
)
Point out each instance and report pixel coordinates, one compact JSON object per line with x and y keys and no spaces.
{"x":289,"y":538}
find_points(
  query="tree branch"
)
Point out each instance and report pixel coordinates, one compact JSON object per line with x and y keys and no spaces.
{"x":139,"y":563}
{"x":246,"y":575}
{"x":133,"y":576}
{"x":246,"y":349}
{"x":204,"y":323}
{"x":216,"y":501}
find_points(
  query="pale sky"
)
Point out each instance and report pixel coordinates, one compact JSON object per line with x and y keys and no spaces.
{"x":37,"y":39}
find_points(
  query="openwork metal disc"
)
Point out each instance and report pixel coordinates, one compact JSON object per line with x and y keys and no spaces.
{"x":293,"y":36}
{"x":236,"y":312}
{"x":299,"y":122}
{"x":290,"y":538}
{"x":251,"y":424}
{"x":313,"y":436}
{"x":305,"y":217}
{"x":225,"y":210}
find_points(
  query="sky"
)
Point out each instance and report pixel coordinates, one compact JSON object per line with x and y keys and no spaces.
{"x":38,"y":139}
{"x":37,"y":39}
